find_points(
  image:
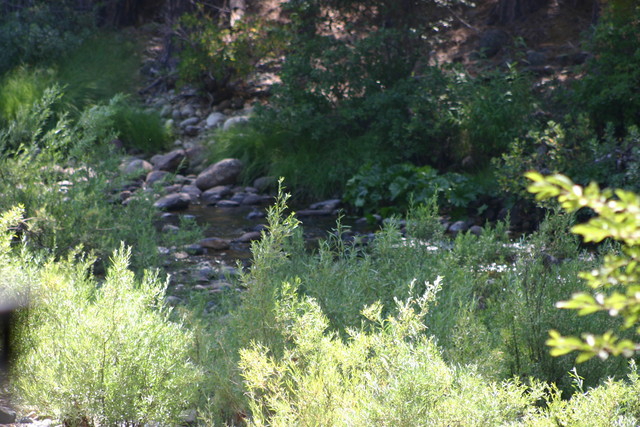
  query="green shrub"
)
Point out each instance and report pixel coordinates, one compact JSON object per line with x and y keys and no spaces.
{"x":216,"y":54}
{"x":65,"y":177}
{"x":609,"y":87}
{"x":496,"y":108}
{"x":392,"y":189}
{"x":41,"y":32}
{"x":387,"y":373}
{"x":103,"y":354}
{"x":568,"y":146}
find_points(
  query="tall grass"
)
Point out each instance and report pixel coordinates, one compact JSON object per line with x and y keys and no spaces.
{"x":101,"y":67}
{"x":342,"y":337}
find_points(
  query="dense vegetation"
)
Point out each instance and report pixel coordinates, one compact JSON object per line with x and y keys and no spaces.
{"x":413,"y":328}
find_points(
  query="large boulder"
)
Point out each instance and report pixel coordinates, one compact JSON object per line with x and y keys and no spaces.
{"x":137,"y":167}
{"x":215,"y":119}
{"x":169,"y":162}
{"x":222,"y":173}
{"x":173,"y":202}
{"x":234,"y":121}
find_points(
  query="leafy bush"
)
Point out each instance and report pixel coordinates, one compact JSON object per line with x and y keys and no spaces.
{"x":41,"y":33}
{"x":65,"y":176}
{"x":394,"y":188}
{"x":215,"y":53}
{"x":319,"y":139}
{"x":568,"y":146}
{"x":101,"y":355}
{"x":608,"y":89}
{"x":388,"y":372}
{"x":616,"y":283}
{"x":496,"y":107}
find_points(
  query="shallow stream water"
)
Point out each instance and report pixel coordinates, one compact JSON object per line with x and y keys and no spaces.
{"x":232,"y":222}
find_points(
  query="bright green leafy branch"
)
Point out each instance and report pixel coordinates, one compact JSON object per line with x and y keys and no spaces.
{"x":616,"y":283}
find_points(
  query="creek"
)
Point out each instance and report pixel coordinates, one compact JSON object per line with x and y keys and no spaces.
{"x":230,"y":223}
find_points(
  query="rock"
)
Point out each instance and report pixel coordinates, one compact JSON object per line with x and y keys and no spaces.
{"x":249,"y":237}
{"x":314,"y":212}
{"x":238,"y":197}
{"x":215,"y":243}
{"x":170,"y":228}
{"x":252,"y":199}
{"x":191,"y":130}
{"x":192,"y":191}
{"x":187,"y":111}
{"x":163,"y":251}
{"x":458,"y":227}
{"x":189,"y":122}
{"x":204,"y":274}
{"x":213,"y":195}
{"x":175,"y":115}
{"x":492,"y":41}
{"x":7,"y":416}
{"x":260,"y":227}
{"x":251,"y":190}
{"x":190,"y":417}
{"x":173,"y":202}
{"x":173,"y":300}
{"x":117,"y":144}
{"x":227,"y":204}
{"x":331,"y":204}
{"x":173,"y":188}
{"x":214,"y":119}
{"x":536,"y":58}
{"x":224,"y":172}
{"x":476,"y":229}
{"x":196,"y":155}
{"x":228,"y":271}
{"x":217,"y":286}
{"x":137,"y":167}
{"x":170,"y":162}
{"x":124,"y":195}
{"x":371,"y":219}
{"x":264,"y":183}
{"x":155,"y":176}
{"x":256,"y":215}
{"x":234,"y":121}
{"x":165,"y":111}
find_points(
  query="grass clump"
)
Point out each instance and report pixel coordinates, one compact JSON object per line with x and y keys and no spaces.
{"x":119,"y":118}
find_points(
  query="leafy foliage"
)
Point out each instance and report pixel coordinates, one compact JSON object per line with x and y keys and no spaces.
{"x":394,"y":188}
{"x":101,"y":355}
{"x":616,"y":284}
{"x":609,"y":87}
{"x":567,"y":146}
{"x":41,"y":33}
{"x":216,"y":53}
